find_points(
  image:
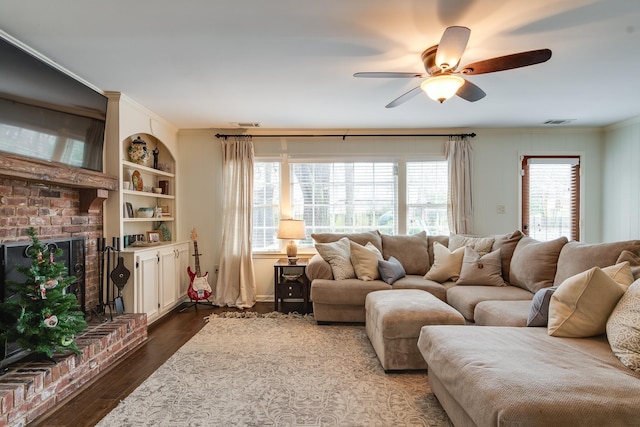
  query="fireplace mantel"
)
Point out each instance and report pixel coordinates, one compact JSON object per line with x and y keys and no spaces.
{"x":93,"y":185}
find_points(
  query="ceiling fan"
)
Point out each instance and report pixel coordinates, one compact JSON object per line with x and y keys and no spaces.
{"x":443,"y":76}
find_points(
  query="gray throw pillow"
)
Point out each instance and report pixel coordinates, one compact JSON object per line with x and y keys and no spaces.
{"x":539,"y":311}
{"x":391,"y":270}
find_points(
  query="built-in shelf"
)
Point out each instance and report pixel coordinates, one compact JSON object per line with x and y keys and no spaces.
{"x":165,"y":218}
{"x":158,"y":172}
{"x":148,"y":194}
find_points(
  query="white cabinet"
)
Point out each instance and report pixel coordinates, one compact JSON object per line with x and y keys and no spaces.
{"x":159,"y":279}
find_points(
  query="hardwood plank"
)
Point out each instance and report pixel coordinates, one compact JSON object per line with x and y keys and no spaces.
{"x":165,"y":337}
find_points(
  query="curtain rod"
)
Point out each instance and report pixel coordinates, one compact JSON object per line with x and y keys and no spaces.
{"x":470,"y":135}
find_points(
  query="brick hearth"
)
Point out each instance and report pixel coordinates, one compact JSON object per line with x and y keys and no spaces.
{"x":29,"y":389}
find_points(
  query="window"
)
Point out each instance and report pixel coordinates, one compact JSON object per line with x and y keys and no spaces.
{"x":551,"y":197}
{"x":427,"y":187}
{"x":266,"y":206}
{"x":347,"y":197}
{"x":344,"y":197}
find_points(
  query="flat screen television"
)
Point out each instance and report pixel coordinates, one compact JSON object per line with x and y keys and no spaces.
{"x":47,"y":114}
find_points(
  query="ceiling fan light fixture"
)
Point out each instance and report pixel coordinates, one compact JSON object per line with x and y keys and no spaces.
{"x":441,"y":88}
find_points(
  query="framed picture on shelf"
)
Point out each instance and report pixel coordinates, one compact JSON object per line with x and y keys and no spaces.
{"x":128,"y":210}
{"x":153,"y":236}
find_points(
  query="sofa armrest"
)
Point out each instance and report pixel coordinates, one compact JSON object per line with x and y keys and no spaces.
{"x":318,"y":268}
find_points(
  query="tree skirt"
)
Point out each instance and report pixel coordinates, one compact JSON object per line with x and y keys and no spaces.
{"x":278,"y":370}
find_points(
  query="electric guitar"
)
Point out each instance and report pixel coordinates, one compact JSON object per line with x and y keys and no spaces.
{"x":199,"y":288}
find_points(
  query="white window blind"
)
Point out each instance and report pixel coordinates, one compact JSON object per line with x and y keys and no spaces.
{"x":266,"y":206}
{"x":344,"y":197}
{"x":427,"y":197}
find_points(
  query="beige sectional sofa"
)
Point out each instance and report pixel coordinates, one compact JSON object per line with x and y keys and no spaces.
{"x":495,"y":370}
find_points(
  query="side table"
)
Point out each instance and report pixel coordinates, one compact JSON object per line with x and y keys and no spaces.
{"x":290,"y":281}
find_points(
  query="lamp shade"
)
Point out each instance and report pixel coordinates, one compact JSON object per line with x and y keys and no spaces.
{"x":441,"y":88}
{"x":291,"y":229}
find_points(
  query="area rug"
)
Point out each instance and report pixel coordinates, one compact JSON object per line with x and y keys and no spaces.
{"x":276,"y":370}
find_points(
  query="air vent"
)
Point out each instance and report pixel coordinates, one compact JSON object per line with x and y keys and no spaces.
{"x":246,"y":124}
{"x":558,"y":121}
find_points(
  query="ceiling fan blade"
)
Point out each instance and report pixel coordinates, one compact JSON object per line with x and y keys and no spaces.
{"x":390,"y":75}
{"x":404,"y":97}
{"x":508,"y":62}
{"x":470,"y":92}
{"x":451,"y":46}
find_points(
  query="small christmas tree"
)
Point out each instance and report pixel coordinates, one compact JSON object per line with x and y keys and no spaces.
{"x":42,"y":317}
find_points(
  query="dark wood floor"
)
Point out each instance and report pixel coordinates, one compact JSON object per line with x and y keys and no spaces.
{"x":165,"y":337}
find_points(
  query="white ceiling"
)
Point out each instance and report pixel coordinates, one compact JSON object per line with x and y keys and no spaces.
{"x":289,"y":64}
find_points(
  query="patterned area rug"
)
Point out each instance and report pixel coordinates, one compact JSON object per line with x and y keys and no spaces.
{"x":278,"y":370}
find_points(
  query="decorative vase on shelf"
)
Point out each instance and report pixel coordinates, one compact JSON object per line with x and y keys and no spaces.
{"x":138,"y":152}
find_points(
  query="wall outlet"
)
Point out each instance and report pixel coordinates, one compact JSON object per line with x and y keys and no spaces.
{"x":500,"y":209}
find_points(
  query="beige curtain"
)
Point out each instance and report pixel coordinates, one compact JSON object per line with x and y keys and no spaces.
{"x":460,"y":211}
{"x":236,"y":281}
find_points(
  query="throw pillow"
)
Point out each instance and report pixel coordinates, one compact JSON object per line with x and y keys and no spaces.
{"x":391,"y":270}
{"x":621,"y":273}
{"x":365,"y":260}
{"x":534,"y":263}
{"x":482,"y":245}
{"x":623,"y":328}
{"x":411,"y":251}
{"x":446,"y":264}
{"x":507,"y":244}
{"x":539,"y":310}
{"x":634,"y":262}
{"x":337,"y":254}
{"x":581,"y":305}
{"x":479,"y":270}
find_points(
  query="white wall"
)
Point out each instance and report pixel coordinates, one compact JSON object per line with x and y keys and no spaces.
{"x":495,"y":177}
{"x":621,"y":165}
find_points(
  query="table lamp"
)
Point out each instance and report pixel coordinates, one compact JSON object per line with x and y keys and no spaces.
{"x":292,"y":229}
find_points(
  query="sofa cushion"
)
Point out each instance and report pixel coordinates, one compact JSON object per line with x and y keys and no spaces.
{"x":411,"y":251}
{"x":338,"y":255}
{"x":483,"y":270}
{"x":501,"y":313}
{"x":348,"y":292}
{"x":623,"y":328}
{"x":365,"y":260}
{"x":390,"y":270}
{"x":361,"y":238}
{"x":539,"y":309}
{"x":507,"y":244}
{"x":465,"y":298}
{"x":446,"y":264}
{"x":533,"y":265}
{"x":577,"y":257}
{"x":482,"y":245}
{"x":581,"y":305}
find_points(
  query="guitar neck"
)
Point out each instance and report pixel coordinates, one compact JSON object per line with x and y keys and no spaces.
{"x":197,"y":256}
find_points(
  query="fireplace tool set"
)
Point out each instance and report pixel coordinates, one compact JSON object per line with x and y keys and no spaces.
{"x":112,"y":281}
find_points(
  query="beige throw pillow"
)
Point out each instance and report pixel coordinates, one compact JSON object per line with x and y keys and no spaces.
{"x":581,"y":305}
{"x":634,"y":262}
{"x":446,"y":264}
{"x":365,"y":261}
{"x":482,"y":245}
{"x":623,"y":328}
{"x":479,"y":270}
{"x":337,"y":254}
{"x":621,"y":273}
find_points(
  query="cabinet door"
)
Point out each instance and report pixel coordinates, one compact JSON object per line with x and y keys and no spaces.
{"x":183,"y":263}
{"x":147,"y":271}
{"x":168,"y":278}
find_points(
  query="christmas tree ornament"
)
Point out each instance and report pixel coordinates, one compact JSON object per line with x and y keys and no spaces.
{"x":51,"y":283}
{"x":51,"y":321}
{"x":66,"y":340}
{"x":43,"y":292}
